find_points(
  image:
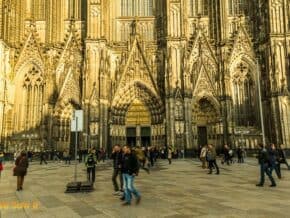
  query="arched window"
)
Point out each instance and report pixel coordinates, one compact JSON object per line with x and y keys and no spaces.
{"x":198,"y":8}
{"x":33,"y":98}
{"x":237,"y":7}
{"x":140,"y":8}
{"x":244,"y":97}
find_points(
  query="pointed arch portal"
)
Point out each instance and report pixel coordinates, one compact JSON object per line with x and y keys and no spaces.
{"x":137,"y":116}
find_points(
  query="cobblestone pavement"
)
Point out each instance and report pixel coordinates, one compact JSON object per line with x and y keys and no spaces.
{"x":182,"y":189}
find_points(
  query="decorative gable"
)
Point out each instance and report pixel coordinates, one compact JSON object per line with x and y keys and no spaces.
{"x":137,"y":70}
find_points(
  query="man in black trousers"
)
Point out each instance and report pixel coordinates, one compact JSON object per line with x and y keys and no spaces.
{"x":263,"y":158}
{"x":91,"y":162}
{"x":117,"y":164}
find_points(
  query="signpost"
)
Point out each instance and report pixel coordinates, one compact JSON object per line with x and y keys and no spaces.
{"x":76,"y":126}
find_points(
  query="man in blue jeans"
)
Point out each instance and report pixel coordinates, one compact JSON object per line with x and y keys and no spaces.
{"x":130,"y":168}
{"x":263,"y":158}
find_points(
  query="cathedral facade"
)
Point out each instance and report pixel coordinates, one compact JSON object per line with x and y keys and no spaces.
{"x":179,"y":73}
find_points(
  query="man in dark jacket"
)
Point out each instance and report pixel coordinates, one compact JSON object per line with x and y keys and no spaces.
{"x":43,"y":157}
{"x":282,"y":157}
{"x":130,"y":169}
{"x":116,"y":156}
{"x":273,"y":160}
{"x":263,"y":158}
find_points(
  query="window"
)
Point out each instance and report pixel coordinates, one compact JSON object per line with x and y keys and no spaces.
{"x":198,"y":8}
{"x":132,"y":8}
{"x":237,"y":7}
{"x":33,"y":88}
{"x":244,"y":97}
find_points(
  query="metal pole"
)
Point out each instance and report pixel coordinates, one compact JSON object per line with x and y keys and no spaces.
{"x":260,"y":103}
{"x":76,"y":147}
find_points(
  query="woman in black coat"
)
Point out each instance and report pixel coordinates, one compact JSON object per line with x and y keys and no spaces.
{"x":20,"y":169}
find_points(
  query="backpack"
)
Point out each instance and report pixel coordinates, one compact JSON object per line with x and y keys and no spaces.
{"x":90,"y":160}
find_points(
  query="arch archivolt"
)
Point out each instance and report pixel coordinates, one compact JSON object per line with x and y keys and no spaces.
{"x":214,"y":106}
{"x":136,"y":90}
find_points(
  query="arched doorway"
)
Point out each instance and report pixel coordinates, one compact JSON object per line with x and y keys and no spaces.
{"x":137,"y":116}
{"x":206,"y":122}
{"x":138,"y":121}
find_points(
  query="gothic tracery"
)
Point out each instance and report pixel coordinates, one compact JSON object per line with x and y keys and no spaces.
{"x":189,"y":68}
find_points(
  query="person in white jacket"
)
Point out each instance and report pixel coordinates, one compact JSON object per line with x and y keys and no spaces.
{"x":203,"y":157}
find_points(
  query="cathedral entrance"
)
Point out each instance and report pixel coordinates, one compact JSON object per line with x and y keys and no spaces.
{"x":202,"y":135}
{"x":131,"y":136}
{"x":138,"y":121}
{"x":206,"y":122}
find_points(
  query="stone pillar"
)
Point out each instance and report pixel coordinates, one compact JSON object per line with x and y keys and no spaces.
{"x":189,"y":146}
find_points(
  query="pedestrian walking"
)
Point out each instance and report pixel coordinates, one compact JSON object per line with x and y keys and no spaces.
{"x":91,"y":162}
{"x":20,"y":169}
{"x":240,"y":154}
{"x":66,"y":156}
{"x":117,"y":157}
{"x":130,"y":169}
{"x":226,"y":152}
{"x":202,"y":157}
{"x":43,"y":157}
{"x":263,"y":159}
{"x":273,"y":160}
{"x":169,"y":155}
{"x":1,"y":162}
{"x":140,"y":154}
{"x":282,"y":157}
{"x":211,"y":158}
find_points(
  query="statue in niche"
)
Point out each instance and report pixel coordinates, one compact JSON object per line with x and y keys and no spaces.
{"x":178,"y":110}
{"x":133,"y":27}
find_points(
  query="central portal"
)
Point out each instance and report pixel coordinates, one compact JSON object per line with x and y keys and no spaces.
{"x":138,"y":124}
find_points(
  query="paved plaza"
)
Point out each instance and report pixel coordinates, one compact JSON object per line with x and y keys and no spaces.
{"x":182,"y":189}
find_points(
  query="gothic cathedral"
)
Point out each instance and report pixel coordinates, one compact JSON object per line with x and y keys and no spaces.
{"x":178,"y":73}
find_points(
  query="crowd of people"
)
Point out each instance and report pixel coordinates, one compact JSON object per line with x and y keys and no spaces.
{"x":128,"y":161}
{"x":269,"y":158}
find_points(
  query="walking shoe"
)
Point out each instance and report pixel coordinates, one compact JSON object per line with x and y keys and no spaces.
{"x":122,"y":198}
{"x":260,"y":185}
{"x":116,"y":193}
{"x":138,"y":200}
{"x":126,"y":204}
{"x":273,"y":185}
{"x":217,"y":173}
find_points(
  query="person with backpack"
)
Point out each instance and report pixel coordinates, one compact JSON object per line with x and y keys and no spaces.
{"x":263,"y":159}
{"x":130,"y":169}
{"x":211,"y":158}
{"x":141,"y":158}
{"x":91,"y":162}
